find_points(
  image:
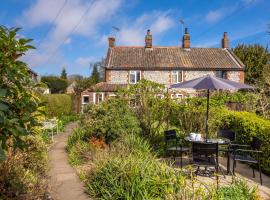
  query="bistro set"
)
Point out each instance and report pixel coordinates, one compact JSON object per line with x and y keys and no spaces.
{"x":204,"y":151}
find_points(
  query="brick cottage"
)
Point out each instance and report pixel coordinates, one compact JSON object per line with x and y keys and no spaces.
{"x":167,"y":65}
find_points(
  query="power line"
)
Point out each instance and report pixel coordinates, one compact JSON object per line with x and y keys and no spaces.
{"x":50,"y":28}
{"x":71,"y":32}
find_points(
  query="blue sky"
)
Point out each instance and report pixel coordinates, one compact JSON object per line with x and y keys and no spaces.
{"x":73,"y":33}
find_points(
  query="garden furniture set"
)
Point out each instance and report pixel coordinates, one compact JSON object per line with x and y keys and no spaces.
{"x":204,"y":152}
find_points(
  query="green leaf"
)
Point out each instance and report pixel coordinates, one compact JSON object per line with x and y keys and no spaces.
{"x":3,"y":107}
{"x":3,"y":92}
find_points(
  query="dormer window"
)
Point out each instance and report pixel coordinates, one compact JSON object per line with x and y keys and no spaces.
{"x":134,"y":76}
{"x":221,"y":74}
{"x":177,"y":76}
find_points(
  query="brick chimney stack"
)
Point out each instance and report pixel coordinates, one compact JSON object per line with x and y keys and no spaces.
{"x":186,"y":39}
{"x":148,"y":39}
{"x":111,"y":41}
{"x":225,"y":41}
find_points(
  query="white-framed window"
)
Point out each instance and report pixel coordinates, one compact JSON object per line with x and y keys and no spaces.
{"x":98,"y":97}
{"x":134,"y":76}
{"x":177,"y":96}
{"x":85,"y":99}
{"x":177,"y":76}
{"x":221,"y":74}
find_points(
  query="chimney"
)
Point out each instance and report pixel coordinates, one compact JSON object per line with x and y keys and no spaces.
{"x":111,"y":41}
{"x":186,"y":39}
{"x":225,"y":41}
{"x":148,"y":39}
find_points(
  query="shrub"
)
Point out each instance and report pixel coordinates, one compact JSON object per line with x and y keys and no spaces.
{"x":56,"y":84}
{"x":23,"y":173}
{"x":246,"y":125}
{"x":110,"y":120}
{"x":151,"y":105}
{"x":129,"y":171}
{"x":238,"y":191}
{"x":58,"y":105}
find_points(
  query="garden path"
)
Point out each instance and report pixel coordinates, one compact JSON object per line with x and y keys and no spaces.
{"x":64,"y":182}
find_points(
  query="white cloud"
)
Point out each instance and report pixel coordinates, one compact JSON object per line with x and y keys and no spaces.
{"x":214,"y":15}
{"x":85,"y":61}
{"x":157,"y":22}
{"x":43,"y":12}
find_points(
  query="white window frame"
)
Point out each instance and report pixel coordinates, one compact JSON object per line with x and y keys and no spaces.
{"x":177,"y":96}
{"x":94,"y":97}
{"x":83,"y":99}
{"x":134,"y":72}
{"x":176,"y":72}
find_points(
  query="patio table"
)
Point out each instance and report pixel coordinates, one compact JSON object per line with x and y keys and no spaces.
{"x":220,"y":141}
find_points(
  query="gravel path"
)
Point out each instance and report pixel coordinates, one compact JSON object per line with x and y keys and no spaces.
{"x":64,"y":182}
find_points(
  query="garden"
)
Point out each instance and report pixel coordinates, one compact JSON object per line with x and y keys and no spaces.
{"x":118,"y":148}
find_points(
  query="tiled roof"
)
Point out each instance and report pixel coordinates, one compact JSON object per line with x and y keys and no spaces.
{"x":122,"y":57}
{"x":106,"y":87}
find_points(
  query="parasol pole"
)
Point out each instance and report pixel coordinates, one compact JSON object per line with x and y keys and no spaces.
{"x":207,"y":114}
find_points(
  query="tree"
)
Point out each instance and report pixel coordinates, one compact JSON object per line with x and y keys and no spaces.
{"x":151,"y":103}
{"x":56,"y":84}
{"x":83,"y":84}
{"x":95,"y":73}
{"x":18,"y":103}
{"x":255,"y":58}
{"x":63,"y":74}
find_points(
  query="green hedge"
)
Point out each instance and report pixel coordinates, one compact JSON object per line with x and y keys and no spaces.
{"x":57,"y":105}
{"x":246,"y":125}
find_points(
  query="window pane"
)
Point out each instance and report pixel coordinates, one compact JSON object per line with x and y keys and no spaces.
{"x":180,"y":76}
{"x":224,"y":74}
{"x":138,"y":74}
{"x":132,"y":78}
{"x":174,"y":77}
{"x":219,"y":74}
{"x":86,"y":99}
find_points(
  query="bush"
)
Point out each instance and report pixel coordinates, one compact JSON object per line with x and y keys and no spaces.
{"x":58,"y":105}
{"x":238,"y":191}
{"x":246,"y":125}
{"x":23,"y":173}
{"x":129,"y":171}
{"x":110,"y":120}
{"x":56,"y":84}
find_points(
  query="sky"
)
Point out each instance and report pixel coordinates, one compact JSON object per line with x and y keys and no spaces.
{"x":71,"y":34}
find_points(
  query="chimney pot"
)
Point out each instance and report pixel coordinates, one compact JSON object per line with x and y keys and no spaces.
{"x":148,"y":39}
{"x":111,"y":41}
{"x":225,"y":41}
{"x":186,"y":39}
